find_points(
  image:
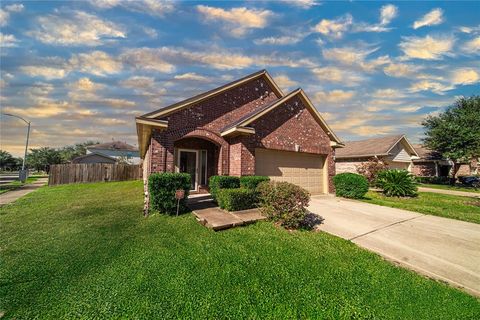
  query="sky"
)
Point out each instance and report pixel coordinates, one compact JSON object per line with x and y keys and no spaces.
{"x":82,"y":70}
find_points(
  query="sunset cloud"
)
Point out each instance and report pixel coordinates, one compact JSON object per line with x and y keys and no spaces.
{"x":432,"y":18}
{"x":334,"y":28}
{"x":427,"y":48}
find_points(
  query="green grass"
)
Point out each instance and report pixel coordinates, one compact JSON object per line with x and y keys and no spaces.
{"x":442,"y":205}
{"x":17,"y":184}
{"x":86,"y":251}
{"x":448,"y":187}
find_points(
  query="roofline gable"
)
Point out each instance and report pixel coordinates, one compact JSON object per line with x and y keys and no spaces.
{"x":214,"y":92}
{"x":409,"y":145}
{"x":284,"y":99}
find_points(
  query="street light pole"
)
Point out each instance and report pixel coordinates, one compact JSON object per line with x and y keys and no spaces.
{"x":22,"y":174}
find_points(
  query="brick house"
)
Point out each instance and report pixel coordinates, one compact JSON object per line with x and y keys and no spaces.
{"x":430,"y":163}
{"x":246,"y":127}
{"x":395,"y":150}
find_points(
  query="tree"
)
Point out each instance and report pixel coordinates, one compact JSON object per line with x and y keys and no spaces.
{"x":455,"y":133}
{"x":42,"y":158}
{"x":69,"y":153}
{"x":9,"y":162}
{"x":371,"y":168}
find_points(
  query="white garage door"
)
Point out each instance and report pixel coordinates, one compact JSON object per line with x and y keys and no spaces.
{"x":303,"y":169}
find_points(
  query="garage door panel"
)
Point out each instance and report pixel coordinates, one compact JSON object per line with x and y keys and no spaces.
{"x":303,"y":169}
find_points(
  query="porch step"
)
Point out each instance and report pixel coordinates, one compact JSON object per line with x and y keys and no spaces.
{"x":211,"y":216}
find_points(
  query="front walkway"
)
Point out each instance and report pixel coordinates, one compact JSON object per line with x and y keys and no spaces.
{"x":211,"y":216}
{"x":441,"y":248}
{"x":450,"y":192}
{"x":11,"y":196}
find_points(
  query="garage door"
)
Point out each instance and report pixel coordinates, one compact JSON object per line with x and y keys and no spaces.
{"x":303,"y":169}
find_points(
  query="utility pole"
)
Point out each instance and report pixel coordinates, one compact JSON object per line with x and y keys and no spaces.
{"x":22,"y":175}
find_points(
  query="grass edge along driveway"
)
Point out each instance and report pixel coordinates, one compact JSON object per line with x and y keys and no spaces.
{"x":85,"y":251}
{"x":442,"y":205}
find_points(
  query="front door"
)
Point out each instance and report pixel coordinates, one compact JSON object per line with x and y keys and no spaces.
{"x":187,"y":163}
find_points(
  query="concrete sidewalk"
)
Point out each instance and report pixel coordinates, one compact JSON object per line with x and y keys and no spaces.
{"x":444,"y":249}
{"x":450,"y":192}
{"x":11,"y":196}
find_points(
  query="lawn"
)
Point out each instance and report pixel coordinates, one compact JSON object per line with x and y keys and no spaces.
{"x":17,"y":184}
{"x":442,"y":205}
{"x":86,"y":251}
{"x":448,"y":187}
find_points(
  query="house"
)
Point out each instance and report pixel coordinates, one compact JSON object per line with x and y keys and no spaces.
{"x":119,"y":150}
{"x":94,"y":157}
{"x":395,"y":150}
{"x":246,"y":127}
{"x":430,"y":163}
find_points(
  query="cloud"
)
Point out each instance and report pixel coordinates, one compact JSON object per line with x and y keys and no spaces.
{"x":334,"y":28}
{"x":388,"y":94}
{"x":147,"y":59}
{"x":118,"y":103}
{"x":192,"y":76}
{"x":427,"y":48}
{"x":334,"y":96}
{"x":5,"y":14}
{"x":151,"y":7}
{"x":238,"y":21}
{"x":401,"y":70}
{"x":138,"y":82}
{"x":96,"y":62}
{"x":373,"y":130}
{"x":8,"y":40}
{"x":39,"y":89}
{"x":44,"y":108}
{"x":304,"y":4}
{"x":337,"y":75}
{"x":110,"y":121}
{"x":76,"y":29}
{"x":465,"y":76}
{"x":280,"y":41}
{"x":45,"y":72}
{"x":355,"y":57}
{"x":427,"y":85}
{"x":387,"y":14}
{"x":472,"y":46}
{"x":284,"y":81}
{"x":432,"y":18}
{"x":16,"y":7}
{"x":86,"y":85}
{"x":470,"y":30}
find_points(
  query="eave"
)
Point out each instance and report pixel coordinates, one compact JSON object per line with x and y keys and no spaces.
{"x":235,"y":131}
{"x":144,"y":131}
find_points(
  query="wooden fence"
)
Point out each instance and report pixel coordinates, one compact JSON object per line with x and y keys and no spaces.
{"x":92,"y":172}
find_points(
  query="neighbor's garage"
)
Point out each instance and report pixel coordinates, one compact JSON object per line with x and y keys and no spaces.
{"x":303,"y":169}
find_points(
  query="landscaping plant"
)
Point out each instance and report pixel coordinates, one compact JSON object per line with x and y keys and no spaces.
{"x":284,"y":202}
{"x":350,"y":185}
{"x":371,"y":168}
{"x":216,"y":183}
{"x":162,"y":187}
{"x":397,"y":183}
{"x":237,"y":199}
{"x":251,"y":182}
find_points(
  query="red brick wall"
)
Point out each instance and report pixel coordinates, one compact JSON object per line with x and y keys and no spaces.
{"x":424,"y":169}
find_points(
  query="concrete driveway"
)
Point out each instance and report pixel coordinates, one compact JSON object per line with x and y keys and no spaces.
{"x":444,"y":249}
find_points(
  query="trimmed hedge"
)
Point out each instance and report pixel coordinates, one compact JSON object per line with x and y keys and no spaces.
{"x":162,"y":187}
{"x":222,"y":182}
{"x":284,"y":202}
{"x":350,"y":185}
{"x":397,"y":183}
{"x":237,"y":199}
{"x":251,"y":182}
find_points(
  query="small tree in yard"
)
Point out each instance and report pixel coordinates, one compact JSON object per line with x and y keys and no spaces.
{"x":455,"y":133}
{"x":371,"y":168}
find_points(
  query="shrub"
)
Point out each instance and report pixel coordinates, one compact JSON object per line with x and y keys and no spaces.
{"x":371,"y":168}
{"x":222,"y":182}
{"x":283,"y":202}
{"x":237,"y":199}
{"x":350,"y":185}
{"x":434,"y":180}
{"x":251,"y":182}
{"x":397,"y":183}
{"x":162,"y":187}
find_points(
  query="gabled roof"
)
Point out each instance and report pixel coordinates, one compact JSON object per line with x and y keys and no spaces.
{"x":426,"y":154}
{"x":373,"y":147}
{"x":92,"y":154}
{"x":114,"y":145}
{"x":242,"y":124}
{"x":190,"y":101}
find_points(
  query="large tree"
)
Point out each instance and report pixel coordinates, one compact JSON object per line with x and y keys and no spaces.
{"x":69,"y":153}
{"x":42,"y":158}
{"x":9,"y":162}
{"x":455,"y":133}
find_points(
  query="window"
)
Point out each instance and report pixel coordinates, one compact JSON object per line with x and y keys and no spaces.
{"x":203,"y":167}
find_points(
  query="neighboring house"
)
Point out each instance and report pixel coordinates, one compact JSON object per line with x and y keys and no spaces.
{"x":246,"y":127}
{"x":469,"y":168}
{"x":430,"y":163}
{"x":118,"y":150}
{"x":94,"y":157}
{"x":396,"y":151}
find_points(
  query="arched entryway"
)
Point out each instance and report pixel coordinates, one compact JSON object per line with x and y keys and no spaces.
{"x":200,"y":158}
